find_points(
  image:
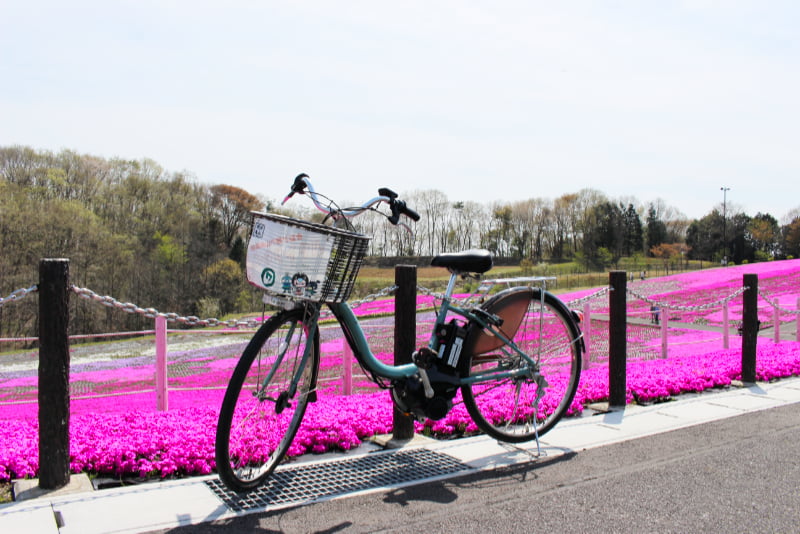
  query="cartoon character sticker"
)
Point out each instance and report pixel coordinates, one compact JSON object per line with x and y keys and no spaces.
{"x":299,"y":284}
{"x":286,"y":283}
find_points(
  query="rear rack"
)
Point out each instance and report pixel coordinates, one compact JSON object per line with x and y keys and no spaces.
{"x":540,"y":281}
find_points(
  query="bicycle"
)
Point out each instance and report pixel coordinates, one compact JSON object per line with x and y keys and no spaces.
{"x":515,"y":358}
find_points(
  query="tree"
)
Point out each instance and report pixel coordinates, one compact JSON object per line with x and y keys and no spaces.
{"x":464,"y":231}
{"x":498,"y":238}
{"x":562,"y":226}
{"x":740,"y":247}
{"x":436,"y":210}
{"x":791,"y":239}
{"x":585,"y":222}
{"x":527,"y":228}
{"x":606,"y":233}
{"x":670,"y":253}
{"x":232,"y":206}
{"x":763,"y":235}
{"x":656,"y":229}
{"x":223,"y":280}
{"x":238,"y":251}
{"x":633,"y":234}
{"x":704,"y":237}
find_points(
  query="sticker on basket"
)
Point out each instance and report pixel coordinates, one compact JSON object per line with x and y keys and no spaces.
{"x":258,"y":229}
{"x":268,"y":277}
{"x":298,"y":285}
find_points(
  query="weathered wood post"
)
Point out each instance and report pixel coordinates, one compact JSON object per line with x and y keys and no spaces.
{"x":347,"y":368}
{"x":586,"y":326}
{"x":405,"y":337}
{"x":617,"y":343}
{"x":797,"y":323}
{"x":726,"y":329}
{"x":776,"y":321}
{"x":749,"y":327}
{"x":162,"y":395}
{"x":53,"y":373}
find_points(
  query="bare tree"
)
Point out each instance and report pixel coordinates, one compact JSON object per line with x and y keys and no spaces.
{"x":232,"y":206}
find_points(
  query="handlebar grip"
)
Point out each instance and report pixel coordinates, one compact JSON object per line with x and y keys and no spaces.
{"x":399,"y":208}
{"x":299,"y":186}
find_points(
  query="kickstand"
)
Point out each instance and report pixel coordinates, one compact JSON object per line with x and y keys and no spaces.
{"x":511,"y":446}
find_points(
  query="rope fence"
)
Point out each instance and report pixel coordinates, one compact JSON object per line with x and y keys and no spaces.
{"x":652,"y":329}
{"x":54,"y":387}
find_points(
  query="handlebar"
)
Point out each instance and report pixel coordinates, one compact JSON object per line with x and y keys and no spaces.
{"x":302,"y":185}
{"x":398,"y":207}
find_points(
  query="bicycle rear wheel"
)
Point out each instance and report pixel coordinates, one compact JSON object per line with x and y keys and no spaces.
{"x":266,"y":400}
{"x":517,"y":409}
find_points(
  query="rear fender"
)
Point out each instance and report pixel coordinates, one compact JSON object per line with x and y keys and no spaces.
{"x":509,"y":305}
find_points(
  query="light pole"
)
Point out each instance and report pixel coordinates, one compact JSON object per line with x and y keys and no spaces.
{"x":724,"y":221}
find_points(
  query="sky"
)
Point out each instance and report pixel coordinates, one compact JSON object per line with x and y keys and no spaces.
{"x":485,"y":101}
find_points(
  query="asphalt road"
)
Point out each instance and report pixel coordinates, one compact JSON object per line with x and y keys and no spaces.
{"x":740,"y":474}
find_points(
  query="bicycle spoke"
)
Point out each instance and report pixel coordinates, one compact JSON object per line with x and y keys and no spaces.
{"x":266,"y":399}
{"x":519,"y":408}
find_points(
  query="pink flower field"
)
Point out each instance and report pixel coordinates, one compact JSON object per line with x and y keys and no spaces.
{"x":116,"y":431}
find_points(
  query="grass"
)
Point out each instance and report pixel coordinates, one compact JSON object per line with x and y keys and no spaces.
{"x":570,"y":277}
{"x":5,"y":492}
{"x":373,"y":279}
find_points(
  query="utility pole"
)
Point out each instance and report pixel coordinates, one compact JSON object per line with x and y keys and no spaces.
{"x":724,"y":224}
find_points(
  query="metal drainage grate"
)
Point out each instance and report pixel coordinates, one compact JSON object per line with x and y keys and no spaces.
{"x":305,"y":483}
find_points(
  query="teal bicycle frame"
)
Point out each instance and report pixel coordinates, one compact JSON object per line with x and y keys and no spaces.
{"x":355,"y":337}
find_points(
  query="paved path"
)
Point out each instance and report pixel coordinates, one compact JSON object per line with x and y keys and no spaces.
{"x":737,"y":475}
{"x":716,"y":462}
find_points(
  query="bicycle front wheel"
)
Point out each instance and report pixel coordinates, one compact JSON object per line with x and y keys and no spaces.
{"x":266,"y":400}
{"x":518,"y":408}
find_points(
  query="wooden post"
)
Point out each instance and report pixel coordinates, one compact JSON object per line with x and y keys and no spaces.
{"x":726,"y":329}
{"x":587,"y":334}
{"x":749,"y":327}
{"x":347,"y":368}
{"x":776,"y":320}
{"x":664,"y":319}
{"x":797,"y":324}
{"x":162,"y":404}
{"x":405,"y":337}
{"x":617,"y":331}
{"x":53,"y":373}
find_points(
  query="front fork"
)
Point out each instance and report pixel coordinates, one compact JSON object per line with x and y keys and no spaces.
{"x":309,"y":324}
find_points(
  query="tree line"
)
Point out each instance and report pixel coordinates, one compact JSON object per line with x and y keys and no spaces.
{"x":161,"y":239}
{"x":584,"y":227}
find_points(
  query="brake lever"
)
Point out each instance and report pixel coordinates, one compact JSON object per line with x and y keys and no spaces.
{"x":407,"y":227}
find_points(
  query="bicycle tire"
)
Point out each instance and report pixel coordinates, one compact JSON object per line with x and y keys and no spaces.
{"x":259,"y":418}
{"x":506,"y":409}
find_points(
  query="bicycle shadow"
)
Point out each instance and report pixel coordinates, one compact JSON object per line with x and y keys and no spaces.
{"x":442,"y":491}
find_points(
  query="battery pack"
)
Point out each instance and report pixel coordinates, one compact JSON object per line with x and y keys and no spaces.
{"x":451,"y":341}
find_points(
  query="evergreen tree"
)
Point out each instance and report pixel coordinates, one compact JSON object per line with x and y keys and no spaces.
{"x":656,"y":229}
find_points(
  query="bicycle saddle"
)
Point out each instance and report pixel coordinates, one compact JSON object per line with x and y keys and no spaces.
{"x":468,"y":261}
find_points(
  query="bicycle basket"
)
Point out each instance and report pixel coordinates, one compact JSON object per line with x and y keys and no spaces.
{"x":302,"y":260}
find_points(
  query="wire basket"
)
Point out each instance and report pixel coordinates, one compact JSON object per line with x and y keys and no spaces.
{"x":296,"y":259}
